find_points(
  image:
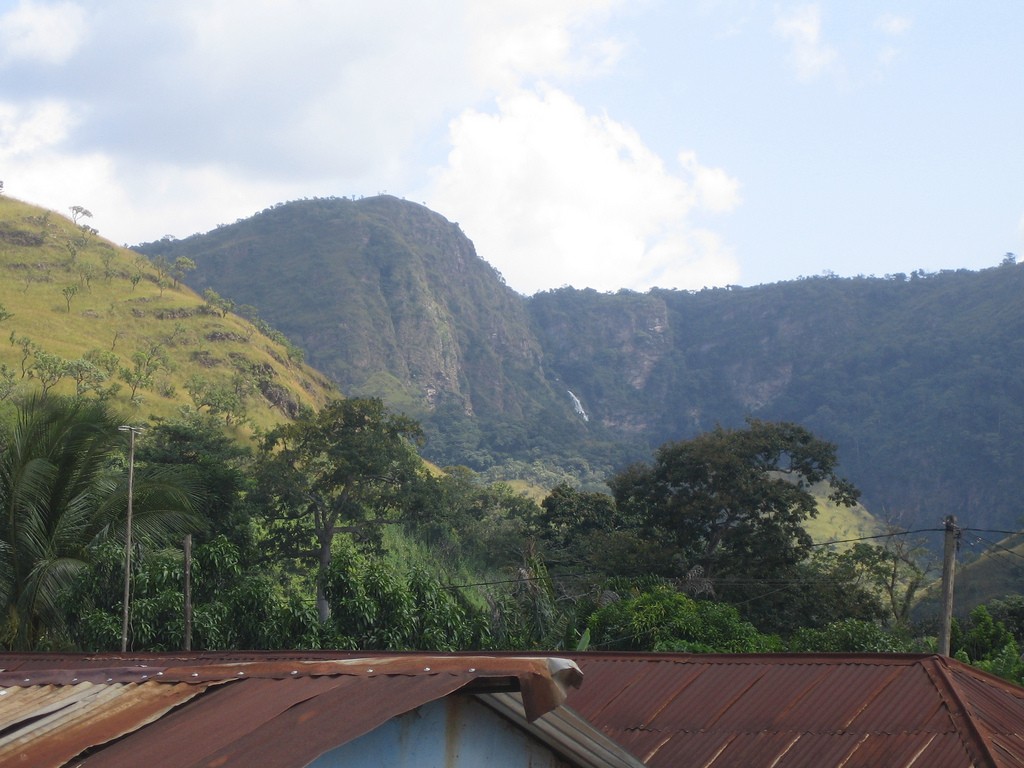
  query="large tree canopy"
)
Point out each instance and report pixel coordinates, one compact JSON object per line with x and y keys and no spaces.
{"x":330,"y":467}
{"x":733,"y":501}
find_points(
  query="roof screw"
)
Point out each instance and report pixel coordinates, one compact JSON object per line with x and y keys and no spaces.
{"x":110,"y":679}
{"x":241,"y":673}
{"x":295,"y":671}
{"x":74,"y":679}
{"x":195,"y":674}
{"x":472,"y":669}
{"x":370,"y":670}
{"x":26,"y":679}
{"x":426,"y":669}
{"x":145,"y":677}
{"x":159,"y":674}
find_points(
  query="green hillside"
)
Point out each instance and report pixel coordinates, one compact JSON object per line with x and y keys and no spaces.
{"x":82,"y":314}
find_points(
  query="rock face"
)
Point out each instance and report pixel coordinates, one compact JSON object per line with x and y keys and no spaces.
{"x":385,"y":296}
{"x":388,"y":299}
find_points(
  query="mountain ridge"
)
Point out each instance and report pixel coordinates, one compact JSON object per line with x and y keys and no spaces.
{"x":917,"y":378}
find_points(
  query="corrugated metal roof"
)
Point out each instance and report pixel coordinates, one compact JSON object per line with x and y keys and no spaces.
{"x":276,"y":711}
{"x":790,"y":711}
{"x":780,"y":710}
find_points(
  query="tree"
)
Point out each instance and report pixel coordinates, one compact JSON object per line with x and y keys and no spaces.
{"x":661,"y":619}
{"x":28,"y":349}
{"x":896,"y":573}
{"x":48,"y":369}
{"x":378,"y":605}
{"x":69,"y":292}
{"x":234,"y":604}
{"x":61,"y":494}
{"x":87,"y":375}
{"x":78,"y":212}
{"x":848,"y":636}
{"x":339,"y":465}
{"x":569,"y":514}
{"x":734,"y":502}
{"x":1009,"y":611}
{"x":6,"y":381}
{"x":219,"y":399}
{"x":145,"y":363}
{"x":197,"y":445}
{"x":181,"y":267}
{"x":218,"y":303}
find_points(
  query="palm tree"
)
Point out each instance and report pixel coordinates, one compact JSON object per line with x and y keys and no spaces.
{"x":61,"y":493}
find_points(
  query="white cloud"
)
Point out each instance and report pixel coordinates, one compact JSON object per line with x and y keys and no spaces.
{"x":554,"y":196}
{"x":802,"y":28}
{"x":892,"y":24}
{"x":175,"y":117}
{"x":715,"y":190}
{"x":514,"y":40}
{"x":32,"y":127}
{"x":44,"y":33}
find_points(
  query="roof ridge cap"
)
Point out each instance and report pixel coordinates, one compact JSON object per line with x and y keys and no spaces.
{"x":938,"y":668}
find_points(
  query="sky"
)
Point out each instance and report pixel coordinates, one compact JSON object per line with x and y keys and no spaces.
{"x":598,"y":144}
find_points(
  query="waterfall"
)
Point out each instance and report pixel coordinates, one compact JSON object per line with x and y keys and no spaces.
{"x":577,"y":405}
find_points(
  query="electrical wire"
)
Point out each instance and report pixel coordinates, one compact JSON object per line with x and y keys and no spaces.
{"x":876,"y":536}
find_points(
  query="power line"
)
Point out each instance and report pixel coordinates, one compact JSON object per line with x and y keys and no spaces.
{"x":992,"y":530}
{"x":997,"y":545}
{"x":877,"y":536}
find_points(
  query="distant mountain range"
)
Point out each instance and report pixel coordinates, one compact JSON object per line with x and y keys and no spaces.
{"x":919,"y":379}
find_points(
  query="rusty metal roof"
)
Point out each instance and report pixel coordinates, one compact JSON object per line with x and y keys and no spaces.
{"x":713,"y":711}
{"x":787,"y":710}
{"x":212,"y":709}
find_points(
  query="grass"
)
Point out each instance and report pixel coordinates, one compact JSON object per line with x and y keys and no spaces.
{"x":68,"y":291}
{"x":841,"y":524}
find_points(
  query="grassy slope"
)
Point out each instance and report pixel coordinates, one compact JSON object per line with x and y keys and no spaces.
{"x":838,"y":523}
{"x":109,"y":313}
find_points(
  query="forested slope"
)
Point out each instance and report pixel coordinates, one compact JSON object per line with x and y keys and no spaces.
{"x":917,"y":378}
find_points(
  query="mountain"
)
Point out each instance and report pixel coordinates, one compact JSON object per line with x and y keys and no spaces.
{"x":390,"y":299}
{"x":82,"y":314}
{"x":919,"y":379}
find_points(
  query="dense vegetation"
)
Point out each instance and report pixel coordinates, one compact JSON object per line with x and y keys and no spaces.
{"x":332,"y":533}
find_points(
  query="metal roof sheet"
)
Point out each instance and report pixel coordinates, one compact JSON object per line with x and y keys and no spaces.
{"x":781,"y":710}
{"x":796,"y":711}
{"x":276,"y":711}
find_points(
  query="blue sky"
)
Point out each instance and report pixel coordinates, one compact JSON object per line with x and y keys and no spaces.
{"x":591,"y":143}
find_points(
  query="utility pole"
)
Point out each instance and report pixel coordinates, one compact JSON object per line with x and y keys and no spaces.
{"x":952,"y":540}
{"x":133,"y":431}
{"x":187,"y":640}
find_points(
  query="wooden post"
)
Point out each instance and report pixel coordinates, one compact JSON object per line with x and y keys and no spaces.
{"x":128,"y":536}
{"x":187,"y":641}
{"x":948,"y":572}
